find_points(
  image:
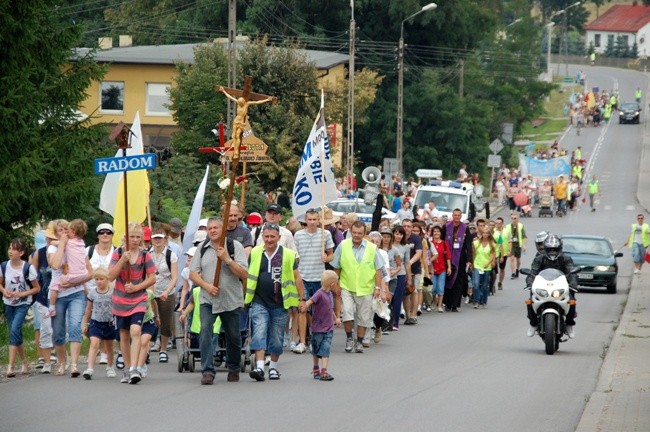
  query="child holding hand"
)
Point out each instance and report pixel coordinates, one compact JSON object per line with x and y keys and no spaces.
{"x":323,"y":321}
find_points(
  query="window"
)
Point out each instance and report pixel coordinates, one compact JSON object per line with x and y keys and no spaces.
{"x":610,"y":40}
{"x":625,"y":41}
{"x":112,"y":97}
{"x":158,"y":99}
{"x":597,"y":40}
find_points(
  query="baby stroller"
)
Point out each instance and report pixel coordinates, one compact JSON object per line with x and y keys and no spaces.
{"x":187,"y":345}
{"x":545,"y":205}
{"x":245,"y":333}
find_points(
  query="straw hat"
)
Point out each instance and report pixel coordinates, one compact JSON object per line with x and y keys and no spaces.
{"x":49,"y":233}
{"x":329,"y":217}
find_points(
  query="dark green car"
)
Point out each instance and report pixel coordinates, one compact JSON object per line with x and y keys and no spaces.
{"x":597,"y":258}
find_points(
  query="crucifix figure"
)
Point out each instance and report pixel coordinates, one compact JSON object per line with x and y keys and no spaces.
{"x":244,"y":98}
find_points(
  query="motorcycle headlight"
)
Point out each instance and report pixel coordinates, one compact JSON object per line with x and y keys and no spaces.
{"x":557,"y":293}
{"x":602,"y":268}
{"x":541,"y":292}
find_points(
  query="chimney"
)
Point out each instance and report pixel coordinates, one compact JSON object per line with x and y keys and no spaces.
{"x":105,"y":43}
{"x":126,"y":41}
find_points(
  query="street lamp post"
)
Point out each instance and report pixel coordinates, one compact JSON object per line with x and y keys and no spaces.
{"x":400,"y":89}
{"x":549,"y":35}
{"x":550,"y":32}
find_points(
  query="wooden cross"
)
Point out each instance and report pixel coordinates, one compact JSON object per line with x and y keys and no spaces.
{"x":243,"y":98}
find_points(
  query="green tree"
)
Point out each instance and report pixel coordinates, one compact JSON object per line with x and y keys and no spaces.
{"x":46,"y":154}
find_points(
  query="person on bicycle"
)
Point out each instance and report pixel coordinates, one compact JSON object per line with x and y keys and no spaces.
{"x":552,"y":257}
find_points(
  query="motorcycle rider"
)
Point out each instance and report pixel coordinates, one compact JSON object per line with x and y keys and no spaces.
{"x":539,"y":241}
{"x":552,"y":257}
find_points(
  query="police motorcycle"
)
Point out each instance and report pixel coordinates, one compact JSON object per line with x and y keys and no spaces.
{"x":551,"y":299}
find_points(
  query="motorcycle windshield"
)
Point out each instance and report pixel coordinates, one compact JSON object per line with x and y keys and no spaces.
{"x":550,"y":274}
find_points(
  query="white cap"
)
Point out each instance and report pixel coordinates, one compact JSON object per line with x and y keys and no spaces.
{"x":191,"y":251}
{"x":203,"y":223}
{"x":200,"y":236}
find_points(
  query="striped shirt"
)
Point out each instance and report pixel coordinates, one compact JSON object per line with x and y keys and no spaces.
{"x":308,"y":245}
{"x":127,"y":304}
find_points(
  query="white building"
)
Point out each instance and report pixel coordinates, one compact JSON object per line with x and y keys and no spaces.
{"x":631,"y":22}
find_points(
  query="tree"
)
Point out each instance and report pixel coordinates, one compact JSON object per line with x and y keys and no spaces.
{"x":46,"y":154}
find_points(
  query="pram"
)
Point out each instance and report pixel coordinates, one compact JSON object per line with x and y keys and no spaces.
{"x":545,"y":205}
{"x":190,"y":352}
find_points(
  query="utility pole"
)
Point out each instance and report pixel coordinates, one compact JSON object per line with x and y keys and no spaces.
{"x":400,"y":105}
{"x":232,"y":55}
{"x":461,"y":79}
{"x":350,"y":164}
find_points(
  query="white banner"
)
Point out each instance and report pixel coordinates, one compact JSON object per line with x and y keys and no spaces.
{"x":315,"y":183}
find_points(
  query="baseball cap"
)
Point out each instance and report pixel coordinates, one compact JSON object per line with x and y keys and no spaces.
{"x":191,"y":251}
{"x":147,"y":233}
{"x":176,"y":225}
{"x":386,"y":230}
{"x":274,"y":207}
{"x":158,"y":235}
{"x":203,"y":223}
{"x":200,"y":236}
{"x":105,"y":226}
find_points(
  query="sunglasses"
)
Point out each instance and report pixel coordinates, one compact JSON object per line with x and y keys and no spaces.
{"x":271,"y":226}
{"x":104,"y":232}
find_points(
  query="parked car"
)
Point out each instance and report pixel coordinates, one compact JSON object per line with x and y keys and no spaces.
{"x":597,"y":258}
{"x":358,"y":206}
{"x":629,"y":112}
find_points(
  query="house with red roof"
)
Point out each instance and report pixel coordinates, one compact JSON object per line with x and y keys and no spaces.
{"x":631,"y":22}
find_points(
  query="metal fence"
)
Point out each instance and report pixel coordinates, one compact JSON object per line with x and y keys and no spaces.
{"x":640,"y":64}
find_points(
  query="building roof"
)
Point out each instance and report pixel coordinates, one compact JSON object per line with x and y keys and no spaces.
{"x":622,"y":18}
{"x":169,"y":54}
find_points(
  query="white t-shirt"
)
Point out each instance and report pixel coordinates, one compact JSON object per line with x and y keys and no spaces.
{"x":163,"y":272}
{"x":14,"y":281}
{"x":98,"y":261}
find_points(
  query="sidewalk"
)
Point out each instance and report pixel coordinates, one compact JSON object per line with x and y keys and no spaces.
{"x":621,"y":401}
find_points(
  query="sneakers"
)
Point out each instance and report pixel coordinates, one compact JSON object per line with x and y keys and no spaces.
{"x":125,"y":377}
{"x":358,"y":347}
{"x":513,"y":276}
{"x":103,"y":358}
{"x":531,"y":331}
{"x":88,"y":373}
{"x":637,"y":271}
{"x":134,"y":377}
{"x":377,"y":337}
{"x":570,"y":331}
{"x":300,"y":348}
{"x":476,"y":305}
{"x":40,"y":363}
{"x":366,"y":342}
{"x":440,"y":310}
{"x":429,"y":309}
{"x":47,"y":368}
{"x":143,"y":371}
{"x":110,"y":372}
{"x":257,"y":374}
{"x":155,"y":347}
{"x":349,"y":345}
{"x":467,"y":300}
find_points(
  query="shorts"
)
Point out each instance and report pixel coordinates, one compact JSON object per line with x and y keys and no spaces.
{"x":392,"y":285}
{"x":417,"y":282}
{"x":357,"y":308}
{"x":638,"y":252}
{"x":125,"y":322}
{"x":268,"y":328}
{"x":310,"y":288}
{"x":149,"y":327}
{"x":321,"y":344}
{"x":516,"y":251}
{"x":101,"y":330}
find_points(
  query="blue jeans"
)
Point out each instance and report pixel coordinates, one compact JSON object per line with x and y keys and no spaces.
{"x":15,"y":319}
{"x":398,"y":297}
{"x":71,"y":307}
{"x":638,"y":252}
{"x":268,"y":328}
{"x":230,"y":327}
{"x":310,"y":288}
{"x":482,"y":287}
{"x":439,"y":284}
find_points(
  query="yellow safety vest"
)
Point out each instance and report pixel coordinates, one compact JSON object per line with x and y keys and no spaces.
{"x":482,"y":254}
{"x":592,"y":187}
{"x":358,"y":277}
{"x":196,"y":315}
{"x":288,"y":281}
{"x":645,"y":236}
{"x":507,"y":237}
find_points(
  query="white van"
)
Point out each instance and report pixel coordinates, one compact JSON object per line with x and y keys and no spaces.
{"x":450,"y":195}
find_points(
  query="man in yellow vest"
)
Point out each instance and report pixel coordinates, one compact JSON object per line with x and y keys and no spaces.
{"x":639,"y":241}
{"x":359,"y":267}
{"x":273,"y":287}
{"x":592,"y":189}
{"x":514,"y":237}
{"x":224,"y":300}
{"x":638,"y":94}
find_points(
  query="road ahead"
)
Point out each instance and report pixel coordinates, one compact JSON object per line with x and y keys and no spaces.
{"x":473,"y":370}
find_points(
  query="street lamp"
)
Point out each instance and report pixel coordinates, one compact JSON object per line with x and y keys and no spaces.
{"x":549,"y":36}
{"x":550,"y":31}
{"x":400,"y":89}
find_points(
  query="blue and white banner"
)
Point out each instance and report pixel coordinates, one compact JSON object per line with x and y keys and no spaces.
{"x":315,"y":183}
{"x":545,"y":168}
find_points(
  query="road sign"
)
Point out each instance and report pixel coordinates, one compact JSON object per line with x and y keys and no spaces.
{"x":127,"y":163}
{"x":494,"y":161}
{"x":429,"y":173}
{"x":507,"y":132}
{"x":252,"y":150}
{"x":496,"y":146}
{"x":390,"y":166}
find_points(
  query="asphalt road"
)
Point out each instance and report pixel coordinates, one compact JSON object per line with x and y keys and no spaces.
{"x":473,"y":370}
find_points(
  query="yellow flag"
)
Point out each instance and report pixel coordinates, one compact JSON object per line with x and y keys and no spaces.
{"x":112,"y":195}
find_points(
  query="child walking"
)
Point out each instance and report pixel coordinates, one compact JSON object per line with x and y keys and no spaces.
{"x":323,"y":320}
{"x":98,"y":323}
{"x":18,"y":283}
{"x":75,"y":270}
{"x":150,"y":326}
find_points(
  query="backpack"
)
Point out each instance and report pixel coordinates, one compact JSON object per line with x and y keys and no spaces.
{"x":26,"y":266}
{"x":230,"y":245}
{"x":168,"y":257}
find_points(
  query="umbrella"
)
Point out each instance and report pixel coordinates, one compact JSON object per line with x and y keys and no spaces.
{"x":521,"y":199}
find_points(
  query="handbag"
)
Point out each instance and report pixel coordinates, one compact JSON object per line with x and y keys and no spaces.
{"x":381,"y":308}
